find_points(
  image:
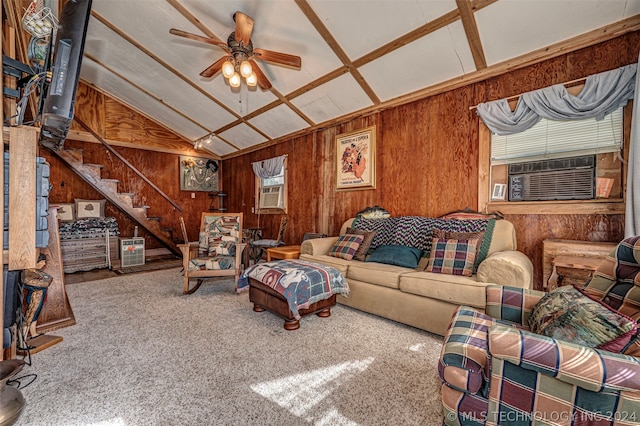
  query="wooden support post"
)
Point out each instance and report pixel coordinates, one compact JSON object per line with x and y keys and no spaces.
{"x":22,"y":197}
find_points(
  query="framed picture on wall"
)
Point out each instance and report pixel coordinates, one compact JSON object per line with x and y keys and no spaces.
{"x":198,"y":174}
{"x":355,"y":159}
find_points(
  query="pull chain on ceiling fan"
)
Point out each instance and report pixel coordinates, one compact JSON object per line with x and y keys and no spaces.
{"x":241,"y":57}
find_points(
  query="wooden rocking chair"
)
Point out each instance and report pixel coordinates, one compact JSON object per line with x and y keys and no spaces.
{"x":218,"y":253}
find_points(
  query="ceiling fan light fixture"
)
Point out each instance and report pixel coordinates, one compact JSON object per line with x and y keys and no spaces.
{"x":228,"y":69}
{"x":252,"y":80}
{"x":234,"y":80}
{"x":245,"y":69}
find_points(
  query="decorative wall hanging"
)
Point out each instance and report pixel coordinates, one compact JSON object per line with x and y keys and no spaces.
{"x":198,"y":174}
{"x":355,"y":158}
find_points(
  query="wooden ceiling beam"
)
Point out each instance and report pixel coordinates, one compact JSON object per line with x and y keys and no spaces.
{"x":471,"y":30}
{"x":591,"y":38}
{"x":337,"y":49}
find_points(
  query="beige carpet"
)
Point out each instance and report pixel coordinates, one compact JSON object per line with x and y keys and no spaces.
{"x":142,"y":353}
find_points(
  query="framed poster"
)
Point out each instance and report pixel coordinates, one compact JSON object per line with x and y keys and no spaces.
{"x":198,"y":174}
{"x":355,"y":158}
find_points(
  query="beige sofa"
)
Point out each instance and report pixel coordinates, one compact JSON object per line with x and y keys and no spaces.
{"x":424,"y":299}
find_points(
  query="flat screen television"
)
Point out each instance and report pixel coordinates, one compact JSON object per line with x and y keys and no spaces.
{"x":57,"y":110}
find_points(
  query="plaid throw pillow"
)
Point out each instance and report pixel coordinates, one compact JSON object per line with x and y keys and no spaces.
{"x":454,"y":257}
{"x":346,"y":246}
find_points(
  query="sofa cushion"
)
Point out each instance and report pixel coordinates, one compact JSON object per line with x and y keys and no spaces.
{"x":340,"y":264}
{"x":567,"y":314}
{"x":376,"y":273}
{"x":455,"y":289}
{"x":346,"y":246}
{"x":455,"y":257}
{"x":363,"y":250}
{"x":405,"y":256}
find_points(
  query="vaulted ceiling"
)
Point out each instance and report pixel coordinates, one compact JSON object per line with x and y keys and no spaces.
{"x":357,"y":56}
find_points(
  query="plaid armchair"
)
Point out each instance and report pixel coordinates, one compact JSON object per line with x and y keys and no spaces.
{"x":497,"y":372}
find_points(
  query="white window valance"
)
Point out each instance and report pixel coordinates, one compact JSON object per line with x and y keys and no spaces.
{"x":602,"y":94}
{"x":269,"y":168}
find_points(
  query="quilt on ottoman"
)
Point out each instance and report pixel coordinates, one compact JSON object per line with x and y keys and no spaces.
{"x":300,"y":282}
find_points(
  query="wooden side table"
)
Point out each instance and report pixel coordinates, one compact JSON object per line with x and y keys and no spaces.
{"x":554,"y":248}
{"x":284,"y":252}
{"x":588,"y":264}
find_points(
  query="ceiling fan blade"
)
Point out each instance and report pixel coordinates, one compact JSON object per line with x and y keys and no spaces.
{"x":244,"y":27}
{"x":214,"y":68}
{"x":263,"y":81}
{"x":278,"y":58}
{"x":197,"y":37}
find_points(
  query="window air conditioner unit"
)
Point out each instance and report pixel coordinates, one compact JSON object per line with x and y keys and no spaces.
{"x":558,"y":179}
{"x":271,"y":197}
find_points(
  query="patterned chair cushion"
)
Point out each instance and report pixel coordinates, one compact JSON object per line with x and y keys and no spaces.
{"x":538,"y":381}
{"x":346,"y":246}
{"x":617,"y":283}
{"x":591,"y":369}
{"x":463,"y":362}
{"x":511,"y":304}
{"x":567,"y":314}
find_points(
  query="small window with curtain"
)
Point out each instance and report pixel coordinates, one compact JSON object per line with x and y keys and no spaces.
{"x":271,"y":188}
{"x":559,"y":160}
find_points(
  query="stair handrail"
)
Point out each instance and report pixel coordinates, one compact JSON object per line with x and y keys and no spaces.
{"x":127,"y":163}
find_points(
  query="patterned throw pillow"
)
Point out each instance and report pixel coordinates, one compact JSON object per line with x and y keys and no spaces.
{"x":568,"y":314}
{"x":346,"y":246}
{"x":454,"y":257}
{"x":450,"y":235}
{"x":362,"y":251}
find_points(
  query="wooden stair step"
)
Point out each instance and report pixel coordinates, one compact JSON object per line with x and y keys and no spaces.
{"x":158,"y":218}
{"x":98,"y":166}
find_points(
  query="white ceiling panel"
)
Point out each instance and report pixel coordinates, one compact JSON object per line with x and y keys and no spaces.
{"x":139,"y":100}
{"x":153,"y":78}
{"x":187,"y":56}
{"x":133,"y":47}
{"x":362,"y":26}
{"x":279,"y":121}
{"x":510,"y":28}
{"x":338,"y":97}
{"x":279,"y":26}
{"x":440,"y":56}
{"x":242,"y":136}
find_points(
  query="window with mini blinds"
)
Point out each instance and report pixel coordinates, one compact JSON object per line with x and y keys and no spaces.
{"x":271,"y":192}
{"x":559,"y":160}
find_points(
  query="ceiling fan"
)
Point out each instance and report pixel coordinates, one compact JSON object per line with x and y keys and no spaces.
{"x":241,"y":55}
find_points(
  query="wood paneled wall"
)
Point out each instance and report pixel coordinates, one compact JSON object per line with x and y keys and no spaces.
{"x":113,"y":121}
{"x":426,"y":160}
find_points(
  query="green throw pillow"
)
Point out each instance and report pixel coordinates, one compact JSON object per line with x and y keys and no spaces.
{"x":396,"y":255}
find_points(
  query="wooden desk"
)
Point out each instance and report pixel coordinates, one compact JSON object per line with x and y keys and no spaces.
{"x":588,"y":264}
{"x":284,"y":252}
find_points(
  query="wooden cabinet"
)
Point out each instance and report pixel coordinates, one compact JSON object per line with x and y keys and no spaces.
{"x":575,"y":260}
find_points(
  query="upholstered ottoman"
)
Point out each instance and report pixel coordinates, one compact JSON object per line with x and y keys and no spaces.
{"x":293,"y":288}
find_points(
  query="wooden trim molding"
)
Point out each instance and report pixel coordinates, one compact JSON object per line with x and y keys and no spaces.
{"x":559,"y":207}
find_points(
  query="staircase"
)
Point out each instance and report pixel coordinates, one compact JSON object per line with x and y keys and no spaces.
{"x":124,"y":201}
